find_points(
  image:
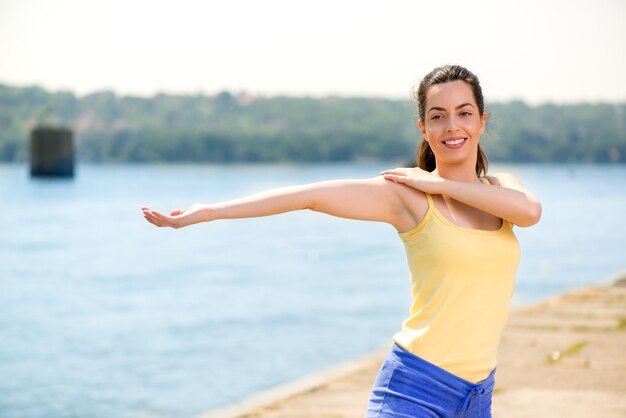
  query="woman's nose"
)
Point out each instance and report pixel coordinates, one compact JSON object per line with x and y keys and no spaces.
{"x":451,"y":123}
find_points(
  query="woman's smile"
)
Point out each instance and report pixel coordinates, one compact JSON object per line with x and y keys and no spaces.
{"x":454,"y":142}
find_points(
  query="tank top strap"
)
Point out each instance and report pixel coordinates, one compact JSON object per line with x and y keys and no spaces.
{"x":431,"y":202}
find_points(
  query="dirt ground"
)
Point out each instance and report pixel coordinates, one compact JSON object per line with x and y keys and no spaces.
{"x":565,"y":357}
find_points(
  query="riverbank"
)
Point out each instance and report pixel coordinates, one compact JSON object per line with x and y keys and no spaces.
{"x":563,"y":357}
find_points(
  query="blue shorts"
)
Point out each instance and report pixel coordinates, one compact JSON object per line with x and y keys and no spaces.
{"x":408,"y":387}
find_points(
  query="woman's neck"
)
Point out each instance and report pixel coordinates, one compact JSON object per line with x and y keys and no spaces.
{"x":457,"y":172}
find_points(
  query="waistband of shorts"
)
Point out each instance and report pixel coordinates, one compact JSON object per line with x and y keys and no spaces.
{"x":410,"y":360}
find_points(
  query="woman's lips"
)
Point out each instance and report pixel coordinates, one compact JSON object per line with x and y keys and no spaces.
{"x":454,"y":142}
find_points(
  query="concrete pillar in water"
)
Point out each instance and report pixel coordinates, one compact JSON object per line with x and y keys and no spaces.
{"x":51,"y":152}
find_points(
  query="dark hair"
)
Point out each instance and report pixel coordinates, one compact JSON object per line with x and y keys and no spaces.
{"x":425,"y":157}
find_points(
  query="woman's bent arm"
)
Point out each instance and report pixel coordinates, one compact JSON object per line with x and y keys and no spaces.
{"x":371,"y":199}
{"x":510,"y":201}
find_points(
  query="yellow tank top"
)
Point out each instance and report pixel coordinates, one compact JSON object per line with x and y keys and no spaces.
{"x":462,"y":282}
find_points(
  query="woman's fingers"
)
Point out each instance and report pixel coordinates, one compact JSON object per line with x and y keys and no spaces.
{"x":177,"y":212}
{"x":395,"y":178}
{"x":395,"y":172}
{"x":156,"y":218}
{"x":152,"y":219}
{"x":166,"y":220}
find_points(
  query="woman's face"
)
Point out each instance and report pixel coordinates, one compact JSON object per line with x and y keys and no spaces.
{"x":452,"y":124}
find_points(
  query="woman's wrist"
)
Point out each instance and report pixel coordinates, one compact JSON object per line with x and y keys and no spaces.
{"x":208,"y":213}
{"x":438,"y":185}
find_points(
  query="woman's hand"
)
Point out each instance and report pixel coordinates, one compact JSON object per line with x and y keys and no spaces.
{"x":178,"y":218}
{"x":415,"y":177}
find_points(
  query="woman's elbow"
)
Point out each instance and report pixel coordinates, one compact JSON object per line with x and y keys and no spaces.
{"x":531,"y":216}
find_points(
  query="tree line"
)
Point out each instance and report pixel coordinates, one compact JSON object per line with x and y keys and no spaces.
{"x":229,"y":127}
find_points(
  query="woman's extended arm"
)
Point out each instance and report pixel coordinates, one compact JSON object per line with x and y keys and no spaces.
{"x":371,"y":199}
{"x":510,"y":201}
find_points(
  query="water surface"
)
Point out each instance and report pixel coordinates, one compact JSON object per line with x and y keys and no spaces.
{"x":104,"y":315}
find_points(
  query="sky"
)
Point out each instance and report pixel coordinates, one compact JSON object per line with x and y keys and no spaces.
{"x":538,"y":51}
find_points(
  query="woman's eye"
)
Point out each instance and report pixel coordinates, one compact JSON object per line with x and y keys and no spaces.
{"x":435,"y":117}
{"x":466,"y":114}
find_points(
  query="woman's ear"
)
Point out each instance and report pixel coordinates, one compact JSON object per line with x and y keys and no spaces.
{"x":483,"y":122}
{"x":422,"y":128}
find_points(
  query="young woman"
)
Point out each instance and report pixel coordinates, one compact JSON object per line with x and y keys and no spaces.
{"x":456,"y":224}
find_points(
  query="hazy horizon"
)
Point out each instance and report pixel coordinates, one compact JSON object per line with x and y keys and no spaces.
{"x":294,"y":96}
{"x":560,"y":52}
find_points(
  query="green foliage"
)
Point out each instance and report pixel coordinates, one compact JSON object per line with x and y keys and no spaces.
{"x":586,"y":133}
{"x":243,"y":128}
